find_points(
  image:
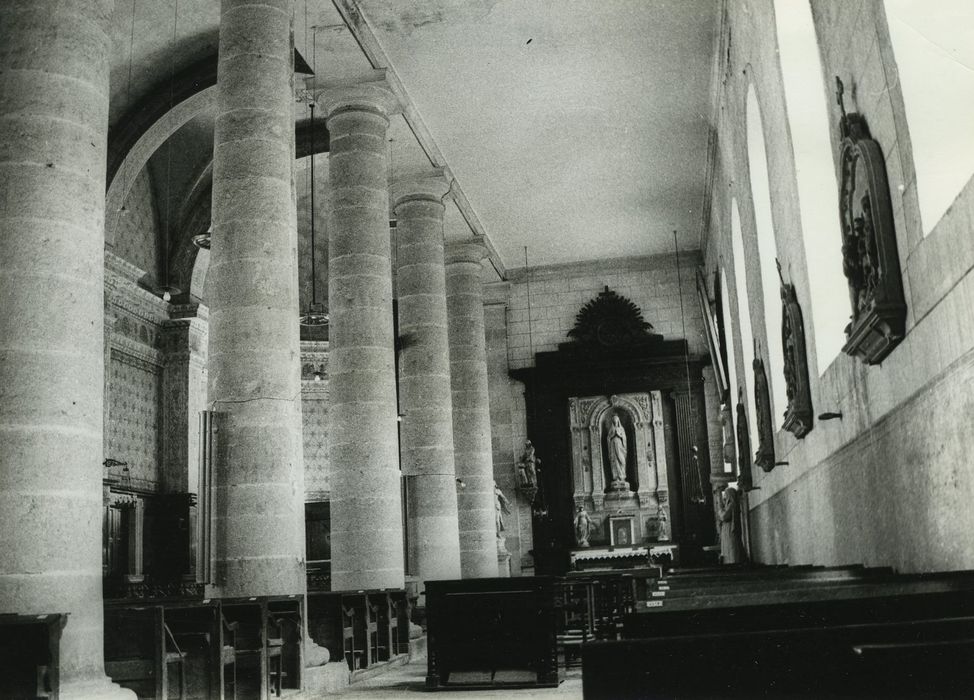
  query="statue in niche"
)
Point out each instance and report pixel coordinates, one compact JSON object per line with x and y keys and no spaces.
{"x":618,"y":449}
{"x":501,"y":506}
{"x":527,"y":466}
{"x":663,"y":534}
{"x":731,"y":548}
{"x":584,"y":527}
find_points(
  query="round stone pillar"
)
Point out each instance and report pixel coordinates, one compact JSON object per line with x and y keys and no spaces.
{"x":426,"y":430}
{"x":471,"y":410}
{"x":366,"y":501}
{"x":54,"y":60}
{"x":254,"y":346}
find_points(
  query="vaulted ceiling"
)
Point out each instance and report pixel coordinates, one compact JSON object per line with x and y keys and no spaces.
{"x":577,"y":128}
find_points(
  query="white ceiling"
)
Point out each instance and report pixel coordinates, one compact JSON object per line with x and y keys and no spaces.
{"x":576,"y":127}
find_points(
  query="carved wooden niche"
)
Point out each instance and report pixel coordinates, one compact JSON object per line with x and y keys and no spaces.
{"x":744,"y":478}
{"x":764,"y":457}
{"x":869,"y":256}
{"x":611,"y":320}
{"x":798,"y":415}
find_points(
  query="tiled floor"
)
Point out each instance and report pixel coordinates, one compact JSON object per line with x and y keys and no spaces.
{"x":409,"y":680}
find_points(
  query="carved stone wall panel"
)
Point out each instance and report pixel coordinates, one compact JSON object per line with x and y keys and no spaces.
{"x":134,"y":428}
{"x":314,"y":419}
{"x":589,"y":417}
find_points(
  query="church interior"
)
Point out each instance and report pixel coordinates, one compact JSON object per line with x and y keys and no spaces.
{"x":603,"y":348}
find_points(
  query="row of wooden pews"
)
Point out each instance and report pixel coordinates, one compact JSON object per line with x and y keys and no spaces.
{"x":791,"y":632}
{"x":197,"y":649}
{"x":362,"y":627}
{"x":592,"y":605}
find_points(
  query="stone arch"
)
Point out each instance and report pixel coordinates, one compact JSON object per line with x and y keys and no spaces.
{"x":148,"y":143}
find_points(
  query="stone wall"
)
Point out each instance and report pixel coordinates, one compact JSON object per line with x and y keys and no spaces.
{"x":888,"y":484}
{"x":133,"y":373}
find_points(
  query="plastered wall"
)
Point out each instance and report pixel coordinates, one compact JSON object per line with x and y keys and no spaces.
{"x":890,"y":482}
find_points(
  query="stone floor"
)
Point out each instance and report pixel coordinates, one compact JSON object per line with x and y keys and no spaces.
{"x":409,"y":679}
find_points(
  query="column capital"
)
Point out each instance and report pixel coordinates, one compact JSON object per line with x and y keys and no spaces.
{"x":431,"y":185}
{"x":468,"y":251}
{"x":369,"y":93}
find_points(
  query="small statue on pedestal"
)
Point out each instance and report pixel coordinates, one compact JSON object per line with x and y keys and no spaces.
{"x":583,"y":527}
{"x":663,"y":534}
{"x":527,"y":467}
{"x":500,"y":504}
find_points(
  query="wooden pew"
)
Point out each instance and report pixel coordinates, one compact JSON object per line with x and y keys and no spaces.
{"x":30,"y":654}
{"x":918,"y":658}
{"x":824,"y":638}
{"x":491,"y":632}
{"x":363,"y":627}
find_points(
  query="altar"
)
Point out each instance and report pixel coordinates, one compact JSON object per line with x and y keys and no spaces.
{"x":620,"y":494}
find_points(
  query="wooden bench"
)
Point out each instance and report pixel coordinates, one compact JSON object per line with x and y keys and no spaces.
{"x":827,"y":636}
{"x":918,"y":658}
{"x":202,"y":649}
{"x":491,"y":633}
{"x":363,"y":627}
{"x":29,"y":654}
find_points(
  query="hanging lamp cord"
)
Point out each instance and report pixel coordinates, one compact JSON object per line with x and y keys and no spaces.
{"x":697,"y":484}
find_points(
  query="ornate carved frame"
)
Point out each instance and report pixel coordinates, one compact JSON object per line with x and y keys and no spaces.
{"x":869,"y":254}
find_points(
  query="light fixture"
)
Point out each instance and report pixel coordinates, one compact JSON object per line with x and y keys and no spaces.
{"x":317,"y":374}
{"x":316,"y":315}
{"x":167,"y":291}
{"x":830,"y":415}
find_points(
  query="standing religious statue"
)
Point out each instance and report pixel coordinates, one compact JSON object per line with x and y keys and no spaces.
{"x":664,"y":527}
{"x":731,"y":548}
{"x":501,"y":506}
{"x":527,"y":466}
{"x":583,"y":527}
{"x":618,"y":449}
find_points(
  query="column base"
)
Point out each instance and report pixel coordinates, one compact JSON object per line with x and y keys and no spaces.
{"x":95,"y":689}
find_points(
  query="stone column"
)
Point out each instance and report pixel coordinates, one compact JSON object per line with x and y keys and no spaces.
{"x":53,"y":133}
{"x":254,"y":352}
{"x":366,"y":501}
{"x":471,"y":410}
{"x":426,"y":430}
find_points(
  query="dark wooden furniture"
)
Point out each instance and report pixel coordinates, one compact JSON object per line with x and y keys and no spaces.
{"x":363,"y":627}
{"x":201,"y":649}
{"x":803,"y":632}
{"x":491,"y":632}
{"x":30,"y":654}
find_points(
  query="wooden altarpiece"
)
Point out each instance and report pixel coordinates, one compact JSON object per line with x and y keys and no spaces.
{"x":614,"y":357}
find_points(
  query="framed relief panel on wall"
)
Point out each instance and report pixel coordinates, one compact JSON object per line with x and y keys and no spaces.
{"x":621,"y":531}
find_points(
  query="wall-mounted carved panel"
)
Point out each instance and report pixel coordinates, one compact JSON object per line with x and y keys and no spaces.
{"x":798,"y":415}
{"x":764,"y":457}
{"x":744,"y":478}
{"x":134,"y":427}
{"x":869,"y":255}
